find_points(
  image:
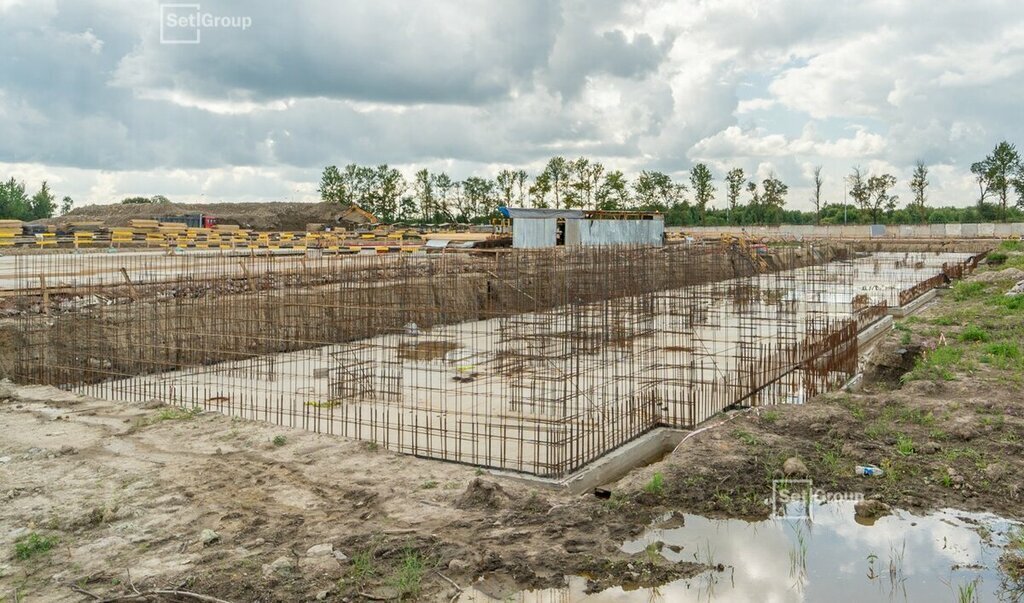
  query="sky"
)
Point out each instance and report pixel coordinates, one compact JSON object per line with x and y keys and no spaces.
{"x":103,"y":100}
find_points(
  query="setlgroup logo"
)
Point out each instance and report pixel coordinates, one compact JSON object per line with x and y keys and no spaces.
{"x":796,"y":498}
{"x":184,"y":23}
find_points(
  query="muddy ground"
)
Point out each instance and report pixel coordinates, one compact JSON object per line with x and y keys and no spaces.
{"x":101,"y":501}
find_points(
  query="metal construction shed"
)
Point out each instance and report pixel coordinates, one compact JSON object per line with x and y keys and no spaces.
{"x":537,"y":228}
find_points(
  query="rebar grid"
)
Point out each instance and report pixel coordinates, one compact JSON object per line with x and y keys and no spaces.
{"x":532,"y":361}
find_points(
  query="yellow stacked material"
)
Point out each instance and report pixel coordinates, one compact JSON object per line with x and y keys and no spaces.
{"x":11,"y":227}
{"x":144,"y":225}
{"x":458,"y":236}
{"x":172,"y":227}
{"x":227,"y":227}
{"x":196,"y":232}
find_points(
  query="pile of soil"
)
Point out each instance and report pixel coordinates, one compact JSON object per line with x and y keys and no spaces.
{"x":284,"y":216}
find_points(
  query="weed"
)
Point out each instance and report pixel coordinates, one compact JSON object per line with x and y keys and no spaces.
{"x":904,"y":445}
{"x":363,"y":568}
{"x":1010,"y":351}
{"x":371,"y":446}
{"x":175,"y":413}
{"x":996,"y":258}
{"x":746,"y":437}
{"x":653,"y":551}
{"x":973,"y":333}
{"x":877,"y":430}
{"x":936,"y":364}
{"x":905,"y":339}
{"x":428,"y":485}
{"x":280,"y":440}
{"x":33,"y":544}
{"x":964,"y":290}
{"x":656,"y":486}
{"x":770,"y":416}
{"x":945,"y":321}
{"x":1011,"y":246}
{"x":409,"y":575}
{"x":967,"y":593}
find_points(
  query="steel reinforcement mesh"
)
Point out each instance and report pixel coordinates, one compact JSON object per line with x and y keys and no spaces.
{"x":535,"y":361}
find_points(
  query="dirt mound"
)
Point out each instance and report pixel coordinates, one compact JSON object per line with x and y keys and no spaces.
{"x":482,"y":494}
{"x":1009,"y":274}
{"x":257,"y":216}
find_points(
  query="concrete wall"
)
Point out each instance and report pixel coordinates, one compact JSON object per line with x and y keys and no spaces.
{"x":873,"y":231}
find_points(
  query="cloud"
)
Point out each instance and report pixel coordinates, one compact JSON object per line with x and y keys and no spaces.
{"x":90,"y":99}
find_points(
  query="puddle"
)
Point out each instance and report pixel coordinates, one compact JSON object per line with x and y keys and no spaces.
{"x":902,"y":557}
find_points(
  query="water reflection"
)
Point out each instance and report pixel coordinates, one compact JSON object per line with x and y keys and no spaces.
{"x":900,"y":558}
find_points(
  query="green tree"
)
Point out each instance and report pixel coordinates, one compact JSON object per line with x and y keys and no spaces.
{"x":331,"y":187}
{"x":613,"y":194}
{"x":557,"y":173}
{"x":539,"y":190}
{"x":857,"y":182}
{"x":773,"y":196}
{"x":703,"y":189}
{"x":734,"y":182}
{"x":480,"y":198}
{"x":585,"y":179}
{"x":918,"y":186}
{"x":14,"y":203}
{"x":816,"y":199}
{"x":445,"y":188}
{"x":423,"y":190}
{"x":41,"y":205}
{"x":386,"y":188}
{"x":65,"y":205}
{"x":879,"y":195}
{"x":136,"y":200}
{"x":505,"y":182}
{"x":998,"y":173}
{"x":657,"y":191}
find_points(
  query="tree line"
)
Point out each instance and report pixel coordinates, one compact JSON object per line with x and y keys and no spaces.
{"x":16,"y":204}
{"x":586,"y":184}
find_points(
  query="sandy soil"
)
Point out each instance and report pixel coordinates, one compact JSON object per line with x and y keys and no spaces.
{"x":125,"y":493}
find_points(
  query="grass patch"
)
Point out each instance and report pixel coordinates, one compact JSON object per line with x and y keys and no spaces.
{"x":430,"y":484}
{"x":175,"y":413}
{"x":1010,"y":351}
{"x":936,"y":364}
{"x":409,"y":577}
{"x":904,"y":445}
{"x":996,"y":258}
{"x":32,"y":545}
{"x":656,"y":486}
{"x":770,"y":416}
{"x":746,"y":437}
{"x":279,"y":440}
{"x":1011,"y":246}
{"x":973,"y":333}
{"x":964,"y":290}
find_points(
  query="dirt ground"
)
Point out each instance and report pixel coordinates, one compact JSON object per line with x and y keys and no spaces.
{"x":101,"y":500}
{"x":104,"y":498}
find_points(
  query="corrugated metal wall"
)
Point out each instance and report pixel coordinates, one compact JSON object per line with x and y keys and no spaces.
{"x":533,"y":233}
